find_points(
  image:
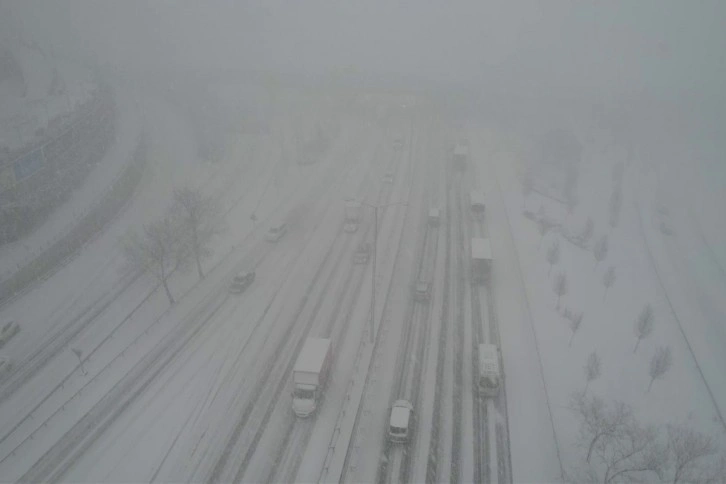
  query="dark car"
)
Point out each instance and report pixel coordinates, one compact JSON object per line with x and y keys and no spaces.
{"x":242,"y":281}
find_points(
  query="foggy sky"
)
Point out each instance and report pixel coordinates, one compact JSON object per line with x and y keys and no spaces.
{"x":670,"y":47}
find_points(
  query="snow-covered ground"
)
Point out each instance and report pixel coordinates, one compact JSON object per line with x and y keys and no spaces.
{"x":678,"y":275}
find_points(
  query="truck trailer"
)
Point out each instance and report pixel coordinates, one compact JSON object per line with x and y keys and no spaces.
{"x":481,"y":261}
{"x":352,"y":216}
{"x":310,"y":375}
{"x":460,"y":156}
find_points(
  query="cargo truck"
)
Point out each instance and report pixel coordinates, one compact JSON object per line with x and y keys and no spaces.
{"x":310,"y":375}
{"x":481,"y":261}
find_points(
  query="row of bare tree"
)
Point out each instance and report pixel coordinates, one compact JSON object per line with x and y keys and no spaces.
{"x":619,"y":448}
{"x":178,"y":239}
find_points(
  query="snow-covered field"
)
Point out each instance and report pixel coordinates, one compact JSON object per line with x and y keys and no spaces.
{"x":678,"y":275}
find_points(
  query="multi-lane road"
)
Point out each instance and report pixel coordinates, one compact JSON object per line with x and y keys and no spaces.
{"x":200,"y":391}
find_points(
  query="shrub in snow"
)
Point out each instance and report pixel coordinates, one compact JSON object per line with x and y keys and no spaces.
{"x":575,"y":321}
{"x":592,"y":369}
{"x":527,"y":185}
{"x":608,"y":279}
{"x":616,"y":202}
{"x":560,"y":287}
{"x":553,"y":255}
{"x":643,"y":325}
{"x":587,"y":231}
{"x":659,"y":364}
{"x":600,"y":251}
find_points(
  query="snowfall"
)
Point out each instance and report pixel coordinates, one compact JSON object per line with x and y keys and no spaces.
{"x":112,"y":383}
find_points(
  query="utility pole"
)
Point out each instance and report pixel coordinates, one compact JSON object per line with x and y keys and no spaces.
{"x":375,"y":256}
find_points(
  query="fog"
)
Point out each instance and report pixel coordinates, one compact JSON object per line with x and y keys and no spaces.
{"x":666,"y":47}
{"x":565,"y":140}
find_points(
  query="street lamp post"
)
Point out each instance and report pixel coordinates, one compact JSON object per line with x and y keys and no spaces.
{"x":375,"y":254}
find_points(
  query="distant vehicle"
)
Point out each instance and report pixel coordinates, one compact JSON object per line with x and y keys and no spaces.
{"x":481,"y":261}
{"x":422,"y":291}
{"x":310,"y":375}
{"x":489,"y":371}
{"x":362,"y":253}
{"x":276,"y":232}
{"x":388,"y":177}
{"x":460,"y":155}
{"x":398,"y":142}
{"x":352,"y":216}
{"x":476,"y":198}
{"x":401,"y":421}
{"x":241,"y":281}
{"x":6,"y":364}
{"x":8,"y":330}
{"x":434,"y":217}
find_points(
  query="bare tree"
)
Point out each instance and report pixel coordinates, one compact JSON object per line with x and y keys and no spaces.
{"x":600,"y":251}
{"x":587,"y":231}
{"x":597,"y":423}
{"x":628,"y":451}
{"x":575,"y":321}
{"x":643,"y":325}
{"x":560,"y":286}
{"x":543,"y":226}
{"x":659,"y":364}
{"x":159,"y":250}
{"x":616,"y":202}
{"x":686,"y":450}
{"x":592,"y":369}
{"x":608,"y":279}
{"x":571,"y":203}
{"x":527,"y":185}
{"x":200,"y":218}
{"x":553,"y":255}
{"x":634,"y":452}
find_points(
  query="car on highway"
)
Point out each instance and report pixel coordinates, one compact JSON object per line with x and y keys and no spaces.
{"x":422,"y":291}
{"x":434,"y":217}
{"x":388,"y":177}
{"x":362,"y":253}
{"x":401,"y":421}
{"x":276,"y":232}
{"x":241,"y":281}
{"x":8,"y":330}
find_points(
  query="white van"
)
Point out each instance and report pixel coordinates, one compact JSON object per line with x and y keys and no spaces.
{"x":276,"y":232}
{"x":399,"y":427}
{"x":489,"y":370}
{"x":434,"y":216}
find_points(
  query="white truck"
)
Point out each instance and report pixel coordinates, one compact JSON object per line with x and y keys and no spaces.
{"x":310,"y":375}
{"x":352,"y":216}
{"x":481,"y":261}
{"x":490,"y":374}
